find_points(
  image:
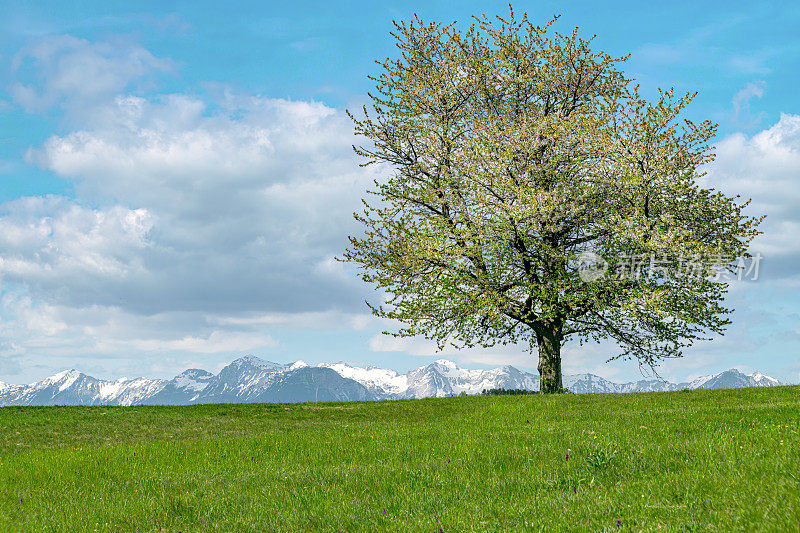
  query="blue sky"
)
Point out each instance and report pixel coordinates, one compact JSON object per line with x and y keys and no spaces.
{"x":175,"y":178}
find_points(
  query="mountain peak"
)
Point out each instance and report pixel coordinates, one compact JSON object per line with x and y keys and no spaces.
{"x":253,"y":361}
{"x":194,"y":373}
{"x":758,"y":377}
{"x":64,"y":373}
{"x":735,"y":371}
{"x":65,"y":378}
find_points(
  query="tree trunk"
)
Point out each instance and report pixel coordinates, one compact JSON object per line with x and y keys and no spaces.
{"x":549,"y":341}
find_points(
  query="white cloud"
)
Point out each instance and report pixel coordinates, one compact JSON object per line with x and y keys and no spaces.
{"x":73,"y":73}
{"x":50,"y":240}
{"x":244,"y":207}
{"x":331,"y":319}
{"x":766,"y":168}
{"x":197,"y":225}
{"x":196,"y":232}
{"x":215,"y":342}
{"x":38,"y":338}
{"x":741,"y":104}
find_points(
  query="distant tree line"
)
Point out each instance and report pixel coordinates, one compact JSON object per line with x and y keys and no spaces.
{"x":507,"y":392}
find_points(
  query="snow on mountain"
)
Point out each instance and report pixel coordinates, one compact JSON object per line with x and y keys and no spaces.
{"x":243,"y":380}
{"x":297,"y":364}
{"x":444,"y":378}
{"x":699,"y":382}
{"x":429,"y":382}
{"x":589,"y":383}
{"x":251,"y":379}
{"x":182,"y":389}
{"x":762,"y":380}
{"x":439,"y":379}
{"x":648,"y":385}
{"x":128,"y":391}
{"x":382,"y":380}
{"x":72,"y":387}
{"x":193,"y":379}
{"x":733,"y":379}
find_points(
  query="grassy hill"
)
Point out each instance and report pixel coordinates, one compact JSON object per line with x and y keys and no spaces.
{"x":686,"y":461}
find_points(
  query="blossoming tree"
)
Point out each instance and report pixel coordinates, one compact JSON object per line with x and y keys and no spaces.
{"x":510,"y":152}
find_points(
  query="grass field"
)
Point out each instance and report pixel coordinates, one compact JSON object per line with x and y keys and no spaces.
{"x":684,"y":461}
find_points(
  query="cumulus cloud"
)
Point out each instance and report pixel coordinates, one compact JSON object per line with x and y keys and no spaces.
{"x":197,"y":225}
{"x":766,"y":168}
{"x":243,"y":208}
{"x":41,"y":236}
{"x":195,"y":232}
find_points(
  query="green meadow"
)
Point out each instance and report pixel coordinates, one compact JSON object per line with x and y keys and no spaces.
{"x":725,"y":460}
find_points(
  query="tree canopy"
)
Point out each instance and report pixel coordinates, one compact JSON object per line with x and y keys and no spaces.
{"x":513,"y":152}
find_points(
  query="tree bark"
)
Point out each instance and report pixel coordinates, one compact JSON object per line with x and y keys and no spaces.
{"x":549,"y":341}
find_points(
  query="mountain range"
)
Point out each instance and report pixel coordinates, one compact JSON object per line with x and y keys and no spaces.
{"x":253,"y":380}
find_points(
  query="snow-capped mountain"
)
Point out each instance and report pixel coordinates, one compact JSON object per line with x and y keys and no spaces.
{"x":250,"y":379}
{"x":444,"y":378}
{"x":181,"y":389}
{"x":71,"y":387}
{"x":377,"y":380}
{"x":731,"y":379}
{"x":761,"y":380}
{"x":253,"y":380}
{"x":590,"y":383}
